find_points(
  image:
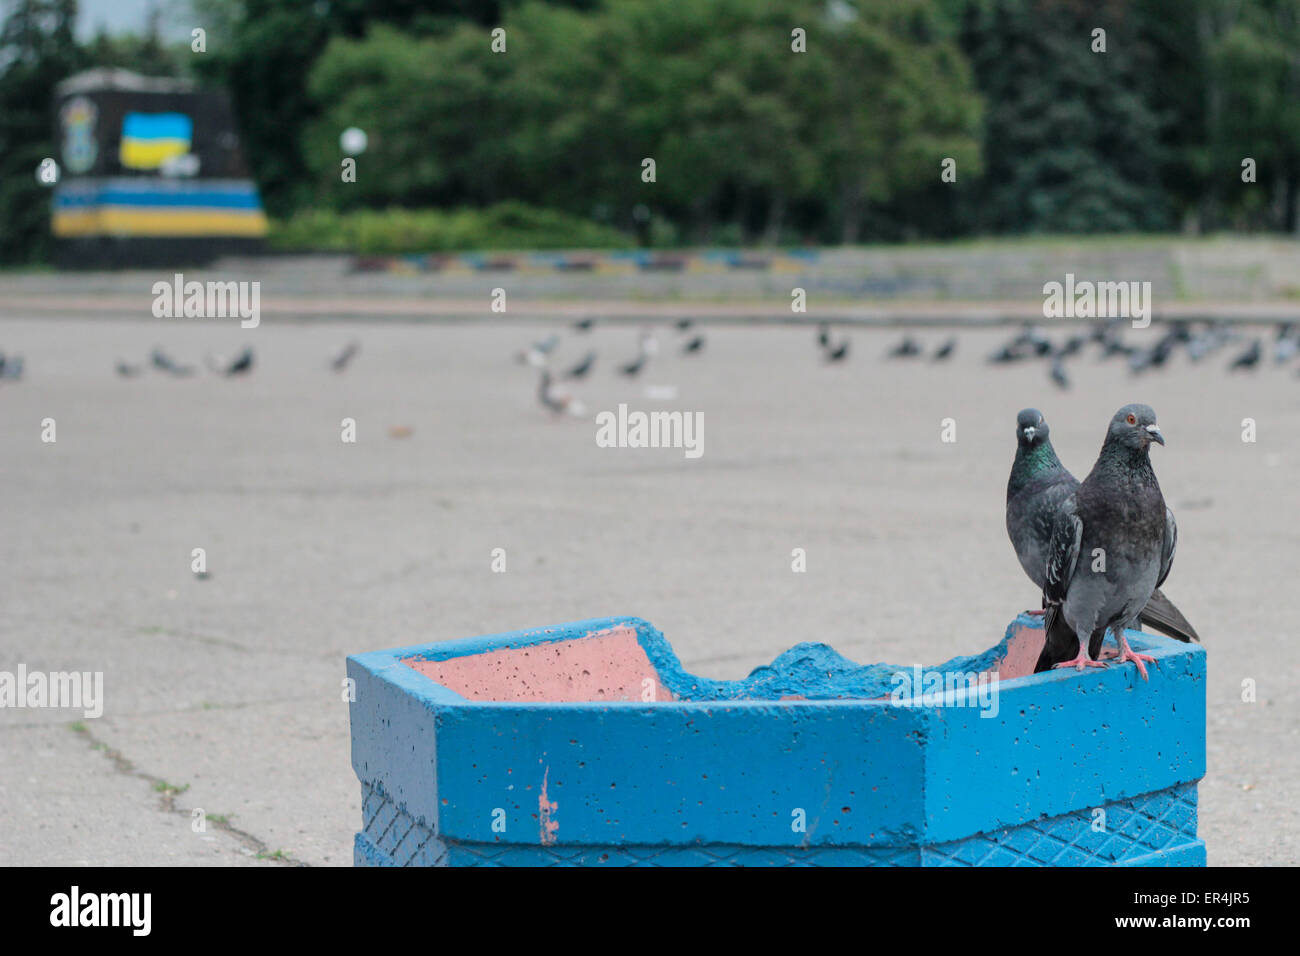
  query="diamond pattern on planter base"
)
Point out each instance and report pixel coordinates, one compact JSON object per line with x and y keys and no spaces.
{"x":1151,"y":829}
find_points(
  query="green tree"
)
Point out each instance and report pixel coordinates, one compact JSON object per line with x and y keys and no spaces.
{"x":1255,"y":69}
{"x":37,"y":50}
{"x":1072,"y":142}
{"x":896,"y":98}
{"x":742,"y":129}
{"x":262,"y":51}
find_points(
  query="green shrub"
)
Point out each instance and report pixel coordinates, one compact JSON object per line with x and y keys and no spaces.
{"x":509,"y":225}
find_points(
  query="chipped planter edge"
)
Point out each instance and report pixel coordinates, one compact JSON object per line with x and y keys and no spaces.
{"x":725,"y":777}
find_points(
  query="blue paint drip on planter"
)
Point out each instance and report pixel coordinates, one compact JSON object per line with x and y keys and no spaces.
{"x":813,"y":671}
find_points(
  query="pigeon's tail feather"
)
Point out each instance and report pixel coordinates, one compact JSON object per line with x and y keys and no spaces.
{"x":1062,"y":644}
{"x":1161,"y":614}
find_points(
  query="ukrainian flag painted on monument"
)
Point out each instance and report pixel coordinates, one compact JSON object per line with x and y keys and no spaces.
{"x":150,"y":139}
{"x":146,"y":206}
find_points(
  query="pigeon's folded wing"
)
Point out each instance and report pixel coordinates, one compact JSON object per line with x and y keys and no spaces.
{"x":1168,"y":547}
{"x":1062,"y":552}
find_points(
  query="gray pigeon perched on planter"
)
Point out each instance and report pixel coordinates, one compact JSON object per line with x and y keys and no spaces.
{"x":1112,"y":545}
{"x":1038,"y":487}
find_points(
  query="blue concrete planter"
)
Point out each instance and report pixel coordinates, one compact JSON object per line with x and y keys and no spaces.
{"x":587,"y":744}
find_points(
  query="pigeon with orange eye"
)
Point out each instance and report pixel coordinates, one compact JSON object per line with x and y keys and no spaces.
{"x":1112,"y":546}
{"x":1148,"y":430}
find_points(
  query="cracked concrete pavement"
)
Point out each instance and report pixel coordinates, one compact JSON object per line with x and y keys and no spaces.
{"x":224,"y":693}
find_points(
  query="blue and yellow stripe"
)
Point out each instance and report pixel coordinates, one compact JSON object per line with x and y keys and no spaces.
{"x":158,"y":208}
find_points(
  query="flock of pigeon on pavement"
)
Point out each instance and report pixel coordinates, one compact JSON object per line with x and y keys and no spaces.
{"x":240,"y":364}
{"x":555,"y":397}
{"x":1156,"y":346}
{"x":1199,"y":340}
{"x":11,"y":366}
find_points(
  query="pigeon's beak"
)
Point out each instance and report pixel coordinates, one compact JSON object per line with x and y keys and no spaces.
{"x":1030,"y":432}
{"x":1154,"y":432}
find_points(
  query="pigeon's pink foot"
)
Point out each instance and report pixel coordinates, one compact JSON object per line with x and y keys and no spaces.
{"x":1036,"y":613}
{"x":1080,"y":662}
{"x":1127,"y":653}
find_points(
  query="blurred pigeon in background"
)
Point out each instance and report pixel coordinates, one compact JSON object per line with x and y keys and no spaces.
{"x":241,"y":364}
{"x":344,"y":358}
{"x":1057,"y":372}
{"x":164,"y":362}
{"x":1249,"y":358}
{"x":583,"y":367}
{"x":11,"y":366}
{"x":907,"y":348}
{"x":537,"y":353}
{"x":556,"y":400}
{"x":696,"y":344}
{"x":1287,"y":344}
{"x":647,"y":345}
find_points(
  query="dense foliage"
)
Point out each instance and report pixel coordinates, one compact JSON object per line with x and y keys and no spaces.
{"x":751,"y":141}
